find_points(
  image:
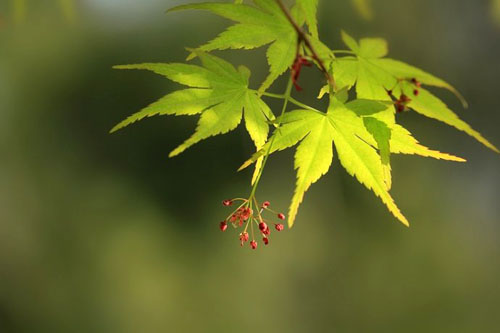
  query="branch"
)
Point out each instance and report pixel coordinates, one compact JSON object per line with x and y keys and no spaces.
{"x":303,"y":37}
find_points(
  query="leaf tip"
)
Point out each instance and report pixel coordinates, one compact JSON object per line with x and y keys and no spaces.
{"x":116,"y":128}
{"x":245,"y":165}
{"x":403,"y":220}
{"x":490,"y":146}
{"x":193,"y":53}
{"x":175,"y":9}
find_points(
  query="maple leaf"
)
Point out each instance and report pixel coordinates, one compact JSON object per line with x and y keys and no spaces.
{"x":363,"y":135}
{"x":259,"y":25}
{"x":309,"y":9}
{"x":218,"y":91}
{"x":375,"y":75}
{"x":381,"y":131}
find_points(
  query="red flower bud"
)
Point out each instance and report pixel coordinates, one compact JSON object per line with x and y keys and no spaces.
{"x":281,"y":216}
{"x":223,"y":226}
{"x":265,"y":240}
{"x":404,"y":99}
{"x":279,"y":227}
{"x":399,"y":107}
{"x":266,"y":231}
{"x":266,"y":204}
{"x":227,"y":202}
{"x":416,"y":92}
{"x":263,"y":226}
{"x":244,"y":237}
{"x":253,"y":245}
{"x":246,"y":213}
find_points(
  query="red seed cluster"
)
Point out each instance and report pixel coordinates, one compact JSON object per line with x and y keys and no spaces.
{"x":252,"y":220}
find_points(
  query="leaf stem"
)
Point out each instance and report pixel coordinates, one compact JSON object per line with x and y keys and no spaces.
{"x":343,"y":52}
{"x":273,"y":95}
{"x":286,"y":97}
{"x":292,"y":100}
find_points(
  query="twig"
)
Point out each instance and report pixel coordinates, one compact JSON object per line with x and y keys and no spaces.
{"x":303,"y":37}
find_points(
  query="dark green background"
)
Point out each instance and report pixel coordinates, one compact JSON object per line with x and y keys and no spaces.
{"x":103,"y":233}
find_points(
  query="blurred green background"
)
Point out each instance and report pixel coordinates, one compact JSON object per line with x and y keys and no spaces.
{"x":103,"y":233}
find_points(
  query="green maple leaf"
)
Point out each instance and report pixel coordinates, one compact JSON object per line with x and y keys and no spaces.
{"x":381,"y":131}
{"x":364,"y":135}
{"x":217,"y":91}
{"x":374,"y":75}
{"x":260,"y":25}
{"x":309,"y":9}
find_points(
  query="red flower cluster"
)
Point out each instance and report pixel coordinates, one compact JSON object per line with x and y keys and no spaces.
{"x":244,"y":215}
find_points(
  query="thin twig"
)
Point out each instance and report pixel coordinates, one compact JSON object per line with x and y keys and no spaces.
{"x":303,"y":37}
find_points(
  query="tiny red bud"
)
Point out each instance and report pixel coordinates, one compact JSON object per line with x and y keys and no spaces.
{"x":281,"y":216}
{"x":400,"y":107}
{"x":227,"y":202}
{"x":279,"y":227}
{"x":266,"y":204}
{"x":416,"y":92}
{"x":253,"y":245}
{"x":265,"y":240}
{"x":266,"y":231}
{"x":416,"y":82}
{"x":244,"y":236}
{"x":223,"y":226}
{"x":246,"y":213}
{"x":404,"y":99}
{"x":263,"y":226}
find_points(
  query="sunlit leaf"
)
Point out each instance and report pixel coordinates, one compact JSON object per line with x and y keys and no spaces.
{"x":259,"y":25}
{"x":374,"y":76}
{"x":219,"y":92}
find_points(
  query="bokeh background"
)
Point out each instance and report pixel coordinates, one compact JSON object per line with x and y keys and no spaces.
{"x":104,"y":233}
